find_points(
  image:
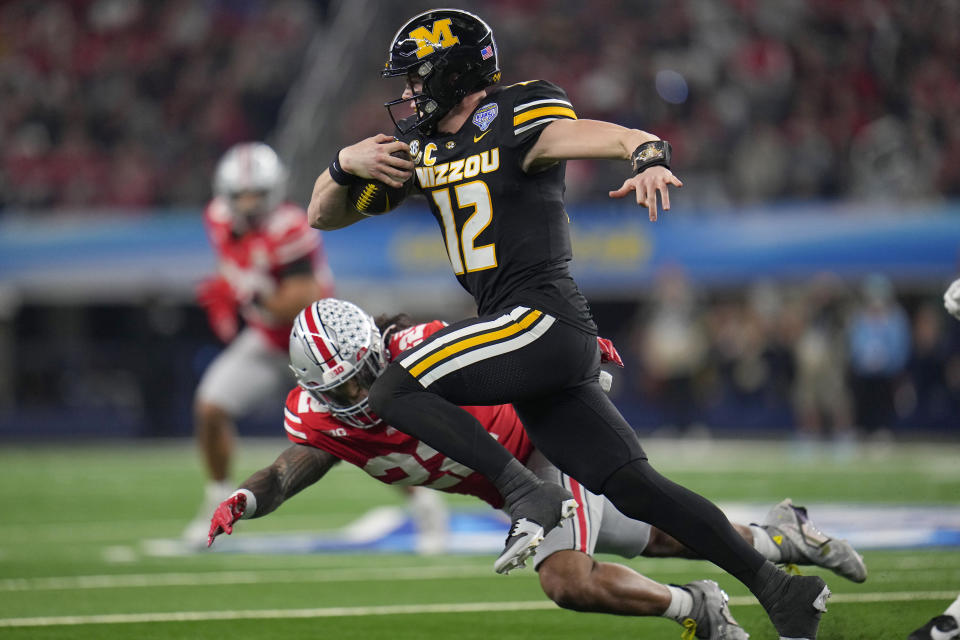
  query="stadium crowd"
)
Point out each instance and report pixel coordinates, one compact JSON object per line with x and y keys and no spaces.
{"x":764,"y":100}
{"x":129,"y":104}
{"x":115,"y":103}
{"x":831,"y":360}
{"x":834,"y":361}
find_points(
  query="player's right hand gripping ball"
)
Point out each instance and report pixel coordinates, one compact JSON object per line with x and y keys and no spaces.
{"x":374,"y":198}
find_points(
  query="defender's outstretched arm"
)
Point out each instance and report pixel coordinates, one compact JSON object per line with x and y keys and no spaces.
{"x":295,"y":469}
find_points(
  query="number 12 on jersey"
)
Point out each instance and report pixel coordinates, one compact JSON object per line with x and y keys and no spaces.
{"x":461,"y":243}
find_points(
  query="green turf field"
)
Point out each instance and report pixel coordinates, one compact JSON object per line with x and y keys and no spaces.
{"x":73,"y":519}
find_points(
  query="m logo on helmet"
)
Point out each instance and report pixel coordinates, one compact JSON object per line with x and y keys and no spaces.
{"x":438,"y":36}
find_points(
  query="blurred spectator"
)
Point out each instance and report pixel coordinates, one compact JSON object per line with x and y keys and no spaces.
{"x":750,"y":363}
{"x":821,"y":396}
{"x":879,"y":344}
{"x":672,"y":350}
{"x":932,"y":397}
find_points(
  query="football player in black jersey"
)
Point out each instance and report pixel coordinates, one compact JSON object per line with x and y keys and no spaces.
{"x":490,"y":162}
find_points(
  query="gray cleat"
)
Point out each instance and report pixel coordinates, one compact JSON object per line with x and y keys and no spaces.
{"x":801,"y":542}
{"x":710,"y":617}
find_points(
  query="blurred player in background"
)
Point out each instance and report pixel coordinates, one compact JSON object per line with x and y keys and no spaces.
{"x":947,"y":625}
{"x":490,"y":161}
{"x":337,"y":351}
{"x":270,"y":264}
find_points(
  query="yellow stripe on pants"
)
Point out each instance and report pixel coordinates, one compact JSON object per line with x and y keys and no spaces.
{"x":462,"y":345}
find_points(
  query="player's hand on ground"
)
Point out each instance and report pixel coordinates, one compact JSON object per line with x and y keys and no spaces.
{"x":218,"y":299}
{"x":229,"y":511}
{"x":951,"y":299}
{"x":371,"y":159}
{"x":646,"y":185}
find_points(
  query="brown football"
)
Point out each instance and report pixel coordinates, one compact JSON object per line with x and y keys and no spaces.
{"x":374,"y":198}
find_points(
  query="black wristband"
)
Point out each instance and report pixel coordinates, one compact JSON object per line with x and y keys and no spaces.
{"x":340,"y":176}
{"x":651,"y":154}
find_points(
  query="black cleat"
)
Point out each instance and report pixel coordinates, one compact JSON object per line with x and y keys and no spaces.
{"x":796,"y":609}
{"x":533,"y":517}
{"x":942,"y":627}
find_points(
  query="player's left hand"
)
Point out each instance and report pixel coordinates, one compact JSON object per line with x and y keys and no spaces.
{"x":229,"y":511}
{"x":646,"y":184}
{"x":219,"y":300}
{"x":951,"y":299}
{"x":608,"y":352}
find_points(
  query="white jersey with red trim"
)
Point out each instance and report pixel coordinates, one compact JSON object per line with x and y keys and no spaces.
{"x":253,"y":262}
{"x":394,"y":457}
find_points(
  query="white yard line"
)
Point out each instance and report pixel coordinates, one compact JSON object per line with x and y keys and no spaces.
{"x":912,"y":570}
{"x":336,"y":612}
{"x":194,"y":616}
{"x":118,"y":530}
{"x":354,"y":574}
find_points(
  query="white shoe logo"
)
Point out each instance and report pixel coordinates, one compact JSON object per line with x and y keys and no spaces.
{"x":936,"y":634}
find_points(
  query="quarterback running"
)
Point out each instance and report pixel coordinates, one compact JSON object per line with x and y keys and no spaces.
{"x":490,"y":159}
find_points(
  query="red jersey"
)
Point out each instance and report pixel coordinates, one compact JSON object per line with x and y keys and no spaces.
{"x":394,"y":457}
{"x":255,"y":261}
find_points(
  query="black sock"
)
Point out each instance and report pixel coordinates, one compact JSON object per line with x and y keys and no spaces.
{"x":768,"y":583}
{"x":641,"y":493}
{"x":515,"y":482}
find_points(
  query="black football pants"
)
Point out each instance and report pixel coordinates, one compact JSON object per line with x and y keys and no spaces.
{"x":548,"y":370}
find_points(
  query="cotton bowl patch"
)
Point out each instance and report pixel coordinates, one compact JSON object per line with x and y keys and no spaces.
{"x":485,"y":115}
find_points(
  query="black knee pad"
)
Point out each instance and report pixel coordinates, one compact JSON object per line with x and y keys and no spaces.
{"x":393,"y":382}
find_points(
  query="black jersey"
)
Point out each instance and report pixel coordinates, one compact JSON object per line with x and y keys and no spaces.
{"x":506,"y":232}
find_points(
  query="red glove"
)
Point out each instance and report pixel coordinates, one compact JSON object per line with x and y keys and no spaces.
{"x":229,"y":511}
{"x":217,"y":298}
{"x":608,"y":352}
